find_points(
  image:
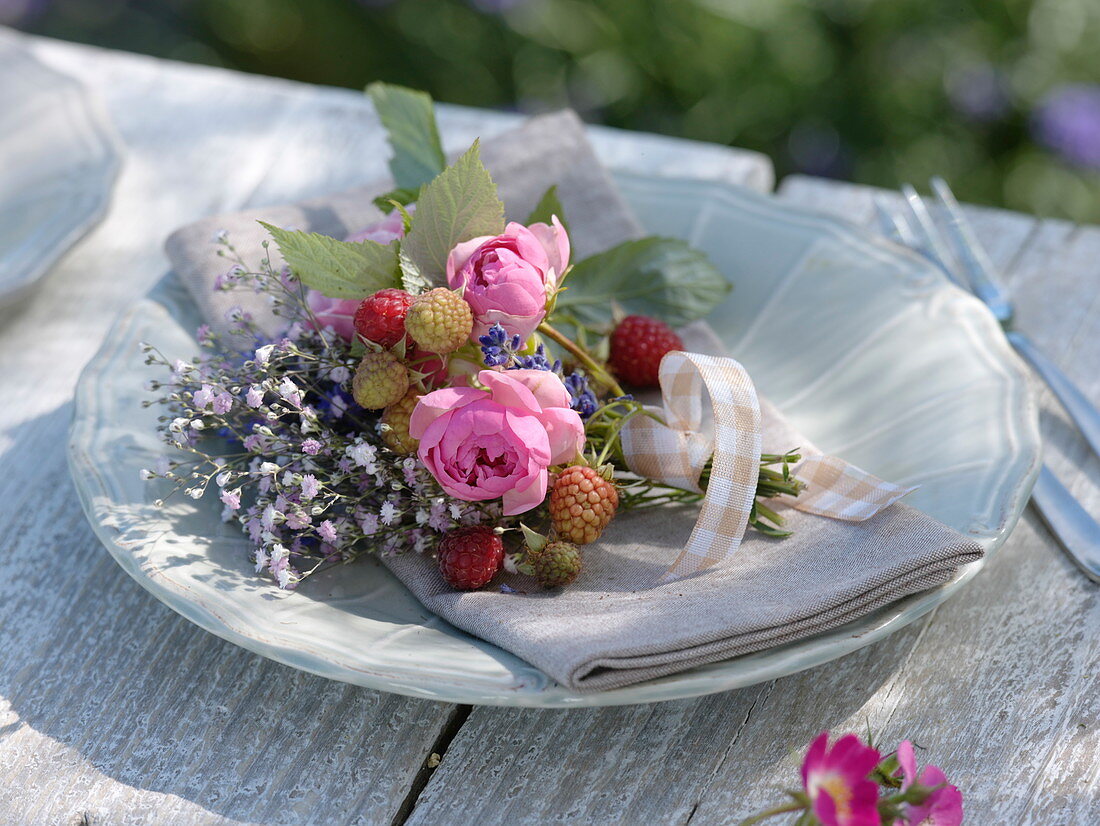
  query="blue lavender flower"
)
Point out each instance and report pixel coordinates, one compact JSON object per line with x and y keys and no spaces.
{"x":583,"y":399}
{"x":495,"y":347}
{"x":536,"y":361}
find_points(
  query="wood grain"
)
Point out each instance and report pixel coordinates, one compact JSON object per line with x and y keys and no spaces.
{"x":999,"y":685}
{"x":115,"y":710}
{"x":112,"y":708}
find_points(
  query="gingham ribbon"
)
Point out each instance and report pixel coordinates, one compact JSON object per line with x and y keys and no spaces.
{"x":676,"y":451}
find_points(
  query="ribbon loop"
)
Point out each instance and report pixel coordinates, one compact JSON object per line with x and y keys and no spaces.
{"x":675,"y":453}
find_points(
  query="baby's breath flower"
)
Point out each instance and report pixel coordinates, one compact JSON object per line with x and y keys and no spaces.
{"x":297,"y":466}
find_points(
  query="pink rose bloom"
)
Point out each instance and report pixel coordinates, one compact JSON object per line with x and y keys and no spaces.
{"x":836,"y":780}
{"x":498,"y":443}
{"x":507,"y":279}
{"x":339,"y":313}
{"x":944,"y":807}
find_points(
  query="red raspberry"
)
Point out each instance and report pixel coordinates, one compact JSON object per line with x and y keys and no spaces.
{"x":638,"y":344}
{"x":381,"y":316}
{"x":470,"y":557}
{"x":582,"y":502}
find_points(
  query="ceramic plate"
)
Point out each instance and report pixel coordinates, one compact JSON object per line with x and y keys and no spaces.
{"x":58,"y":162}
{"x":864,"y":346}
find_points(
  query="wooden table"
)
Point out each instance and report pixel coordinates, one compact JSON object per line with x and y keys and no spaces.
{"x":113,"y":709}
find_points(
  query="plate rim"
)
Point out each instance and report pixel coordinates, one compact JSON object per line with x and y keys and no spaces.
{"x":716,"y":677}
{"x":89,"y":207}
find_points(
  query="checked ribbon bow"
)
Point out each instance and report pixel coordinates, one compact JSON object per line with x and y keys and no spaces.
{"x":676,"y":451}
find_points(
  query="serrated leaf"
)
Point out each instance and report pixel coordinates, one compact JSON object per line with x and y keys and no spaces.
{"x":412,"y":280}
{"x":661,"y":277}
{"x":548,"y":206}
{"x":338,"y":269}
{"x":409,"y":119}
{"x":460,"y":204}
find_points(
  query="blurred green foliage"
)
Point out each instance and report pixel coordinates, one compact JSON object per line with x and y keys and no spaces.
{"x":876,"y":91}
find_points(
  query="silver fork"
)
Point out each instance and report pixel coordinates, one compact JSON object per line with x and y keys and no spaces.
{"x":966,"y":262}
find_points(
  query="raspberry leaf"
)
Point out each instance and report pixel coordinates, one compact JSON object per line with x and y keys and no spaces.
{"x":548,"y":206}
{"x":460,"y":204}
{"x":395,"y":199}
{"x":661,"y":277}
{"x":412,"y":280}
{"x":409,"y":120}
{"x":337,"y":269}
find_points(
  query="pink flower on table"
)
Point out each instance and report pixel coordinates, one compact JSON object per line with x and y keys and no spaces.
{"x":941,"y":808}
{"x":499,"y":442}
{"x":339,"y":313}
{"x":836,"y":780}
{"x":507,"y":279}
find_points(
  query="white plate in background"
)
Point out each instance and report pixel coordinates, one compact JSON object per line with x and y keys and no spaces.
{"x":58,"y":163}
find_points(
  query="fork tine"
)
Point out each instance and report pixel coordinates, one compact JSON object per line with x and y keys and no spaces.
{"x":893,"y":224}
{"x":930,"y":239}
{"x":979,"y":268}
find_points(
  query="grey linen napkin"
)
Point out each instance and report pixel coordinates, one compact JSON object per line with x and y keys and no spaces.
{"x":619,"y":623}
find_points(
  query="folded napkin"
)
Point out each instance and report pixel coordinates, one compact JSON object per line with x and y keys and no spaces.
{"x":524,"y":162}
{"x":622,"y":622}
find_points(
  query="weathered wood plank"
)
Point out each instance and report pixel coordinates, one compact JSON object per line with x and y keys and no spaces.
{"x":115,"y":707}
{"x":942,"y":683}
{"x":1024,"y":708}
{"x":647,"y":764}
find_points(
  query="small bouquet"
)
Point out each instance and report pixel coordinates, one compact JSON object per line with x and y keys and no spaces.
{"x":442,"y":382}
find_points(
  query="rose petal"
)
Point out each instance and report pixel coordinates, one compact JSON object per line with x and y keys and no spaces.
{"x":510,"y":390}
{"x":458,"y":257}
{"x":566,"y":432}
{"x":545,"y":385}
{"x":555,"y":240}
{"x":433,"y":405}
{"x":521,"y":500}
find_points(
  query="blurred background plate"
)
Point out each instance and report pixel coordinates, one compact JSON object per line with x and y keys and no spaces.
{"x":865,"y":347}
{"x":58,"y":163}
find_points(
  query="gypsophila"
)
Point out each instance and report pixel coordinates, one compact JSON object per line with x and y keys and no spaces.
{"x":292,"y":459}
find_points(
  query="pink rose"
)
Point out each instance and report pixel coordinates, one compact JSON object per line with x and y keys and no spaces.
{"x":507,"y":279}
{"x":339,"y":313}
{"x":498,"y":443}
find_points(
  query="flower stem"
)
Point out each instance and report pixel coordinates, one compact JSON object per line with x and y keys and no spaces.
{"x":597,"y":372}
{"x":796,"y":806}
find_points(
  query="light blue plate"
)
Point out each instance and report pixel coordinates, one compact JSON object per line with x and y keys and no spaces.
{"x":866,"y":348}
{"x":58,"y":163}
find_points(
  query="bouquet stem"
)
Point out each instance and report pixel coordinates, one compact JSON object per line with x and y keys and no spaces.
{"x":594,"y":369}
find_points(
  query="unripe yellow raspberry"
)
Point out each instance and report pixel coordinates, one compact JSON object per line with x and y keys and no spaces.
{"x":380,"y":380}
{"x":439,"y":320}
{"x":556,"y":564}
{"x":582,"y":503}
{"x":395,"y":424}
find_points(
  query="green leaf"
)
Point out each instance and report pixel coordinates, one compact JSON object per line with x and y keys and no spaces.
{"x":404,"y":197}
{"x":412,"y":280}
{"x":409,"y":120}
{"x":547,"y":207}
{"x":661,"y":277}
{"x":460,"y":204}
{"x":338,"y":269}
{"x":534,"y":540}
